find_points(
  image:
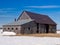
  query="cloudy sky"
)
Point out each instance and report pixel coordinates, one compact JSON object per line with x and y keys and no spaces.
{"x":11,"y":9}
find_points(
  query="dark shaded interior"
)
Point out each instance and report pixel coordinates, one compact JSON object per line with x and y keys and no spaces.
{"x":47,"y":28}
{"x":37,"y":28}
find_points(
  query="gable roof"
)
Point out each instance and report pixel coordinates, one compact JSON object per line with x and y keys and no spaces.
{"x":40,"y":18}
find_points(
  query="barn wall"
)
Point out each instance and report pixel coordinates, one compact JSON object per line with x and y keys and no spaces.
{"x":52,"y":29}
{"x":42,"y":28}
{"x":33,"y":28}
{"x":25,"y":28}
{"x":5,"y":28}
{"x":24,"y":16}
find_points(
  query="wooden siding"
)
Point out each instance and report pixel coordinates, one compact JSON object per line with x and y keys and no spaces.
{"x":24,"y":16}
{"x":31,"y":25}
{"x":24,"y":29}
{"x":5,"y":28}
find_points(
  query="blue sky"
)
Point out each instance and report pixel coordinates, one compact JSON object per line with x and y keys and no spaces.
{"x":11,"y":9}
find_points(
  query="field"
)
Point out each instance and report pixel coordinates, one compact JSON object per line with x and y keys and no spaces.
{"x":57,"y":34}
{"x":40,"y":35}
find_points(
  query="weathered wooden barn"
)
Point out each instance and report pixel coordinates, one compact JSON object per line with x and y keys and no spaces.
{"x":29,"y":23}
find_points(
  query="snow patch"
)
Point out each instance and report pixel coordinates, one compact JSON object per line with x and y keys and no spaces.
{"x":58,"y":32}
{"x":8,"y":33}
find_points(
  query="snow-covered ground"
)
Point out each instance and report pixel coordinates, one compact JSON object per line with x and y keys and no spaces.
{"x":25,"y":40}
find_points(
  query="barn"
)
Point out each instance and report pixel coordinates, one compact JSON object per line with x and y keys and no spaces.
{"x":31,"y":23}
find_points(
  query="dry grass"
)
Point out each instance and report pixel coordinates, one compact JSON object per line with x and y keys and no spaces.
{"x":40,"y":35}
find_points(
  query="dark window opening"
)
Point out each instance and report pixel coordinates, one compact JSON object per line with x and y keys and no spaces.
{"x":12,"y":28}
{"x":28,"y":28}
{"x":8,"y":28}
{"x":16,"y":28}
{"x":37,"y":26}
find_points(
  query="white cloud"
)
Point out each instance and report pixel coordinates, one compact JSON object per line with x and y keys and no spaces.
{"x":48,"y":6}
{"x":6,"y":16}
{"x":4,"y":9}
{"x":7,"y":12}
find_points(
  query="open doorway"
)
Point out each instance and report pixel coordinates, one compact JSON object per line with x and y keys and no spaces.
{"x":47,"y":28}
{"x":37,"y":28}
{"x":37,"y":31}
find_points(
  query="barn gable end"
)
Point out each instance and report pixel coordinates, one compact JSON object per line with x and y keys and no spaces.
{"x":23,"y":16}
